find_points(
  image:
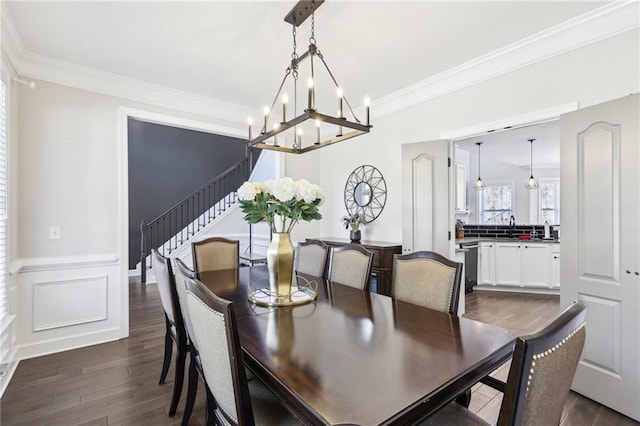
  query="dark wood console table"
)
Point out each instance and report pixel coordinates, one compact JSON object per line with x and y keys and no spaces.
{"x":382,"y":266}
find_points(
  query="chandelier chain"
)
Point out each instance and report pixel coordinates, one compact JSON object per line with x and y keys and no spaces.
{"x":294,"y":55}
{"x":312,"y":39}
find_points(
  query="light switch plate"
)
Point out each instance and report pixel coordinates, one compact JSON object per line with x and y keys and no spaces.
{"x":54,"y":232}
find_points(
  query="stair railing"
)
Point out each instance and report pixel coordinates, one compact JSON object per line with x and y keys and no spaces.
{"x":172,"y":228}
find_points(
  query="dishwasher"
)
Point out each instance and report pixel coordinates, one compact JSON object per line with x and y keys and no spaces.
{"x":470,"y":265}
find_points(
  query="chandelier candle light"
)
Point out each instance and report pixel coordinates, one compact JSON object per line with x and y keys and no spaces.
{"x":282,"y":203}
{"x":324,"y":123}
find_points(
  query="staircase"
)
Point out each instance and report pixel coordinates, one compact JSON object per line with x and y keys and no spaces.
{"x":175,"y":226}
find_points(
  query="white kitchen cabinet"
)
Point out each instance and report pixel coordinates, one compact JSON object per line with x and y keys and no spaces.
{"x":508,"y":260}
{"x":519,"y":264}
{"x":460,"y":170}
{"x":555,"y":265}
{"x":536,"y":265}
{"x":486,"y":263}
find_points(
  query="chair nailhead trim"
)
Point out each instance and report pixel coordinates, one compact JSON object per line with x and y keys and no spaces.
{"x":548,"y":352}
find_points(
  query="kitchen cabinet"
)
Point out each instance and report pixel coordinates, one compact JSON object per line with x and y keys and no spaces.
{"x":555,"y":265}
{"x":535,"y":261}
{"x":507,"y":264}
{"x":460,"y":170}
{"x":519,"y":264}
{"x":486,"y":263}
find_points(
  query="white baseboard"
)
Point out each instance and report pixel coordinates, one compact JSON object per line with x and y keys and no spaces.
{"x":507,"y":289}
{"x":6,"y":378}
{"x":66,"y":343}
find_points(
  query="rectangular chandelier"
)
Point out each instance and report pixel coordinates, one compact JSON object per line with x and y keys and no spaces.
{"x":309,"y":129}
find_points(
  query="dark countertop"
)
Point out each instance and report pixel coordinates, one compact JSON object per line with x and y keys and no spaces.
{"x":460,"y":242}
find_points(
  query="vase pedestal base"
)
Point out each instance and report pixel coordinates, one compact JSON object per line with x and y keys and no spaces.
{"x":298,"y":296}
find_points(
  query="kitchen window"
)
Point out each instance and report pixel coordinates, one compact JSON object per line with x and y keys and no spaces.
{"x":549,"y":201}
{"x":496,"y":204}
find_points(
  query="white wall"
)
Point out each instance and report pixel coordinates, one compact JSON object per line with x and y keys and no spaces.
{"x":592,"y":74}
{"x":69,"y":172}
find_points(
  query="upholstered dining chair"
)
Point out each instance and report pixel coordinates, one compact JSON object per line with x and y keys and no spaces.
{"x":540,"y":376}
{"x":231,"y":399}
{"x":311,"y":258}
{"x":182,"y":272}
{"x":215,"y":253}
{"x":428,"y":279}
{"x":175,"y":329}
{"x":350,"y":265}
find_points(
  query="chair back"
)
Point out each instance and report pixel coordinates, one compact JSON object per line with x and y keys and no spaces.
{"x":215,"y":329}
{"x":350,"y":265}
{"x":168,"y":293}
{"x":215,"y":253}
{"x":427,"y":279}
{"x":542,"y":370}
{"x":182,"y":272}
{"x":311,"y":258}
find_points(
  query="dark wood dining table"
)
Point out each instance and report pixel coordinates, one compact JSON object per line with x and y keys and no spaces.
{"x":354,"y":357}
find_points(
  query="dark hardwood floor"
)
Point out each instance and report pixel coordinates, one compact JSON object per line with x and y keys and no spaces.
{"x":523,"y":314}
{"x":117,"y":383}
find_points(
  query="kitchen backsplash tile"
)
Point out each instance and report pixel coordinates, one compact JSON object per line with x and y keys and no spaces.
{"x":501,"y":231}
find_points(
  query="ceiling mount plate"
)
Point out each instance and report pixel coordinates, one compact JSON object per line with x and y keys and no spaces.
{"x":301,"y":11}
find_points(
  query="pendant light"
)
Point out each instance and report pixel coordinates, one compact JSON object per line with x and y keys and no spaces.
{"x":479,"y":185}
{"x":342,"y":126}
{"x":531,"y":182}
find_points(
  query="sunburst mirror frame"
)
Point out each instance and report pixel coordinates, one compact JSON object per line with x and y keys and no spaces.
{"x":365,"y":192}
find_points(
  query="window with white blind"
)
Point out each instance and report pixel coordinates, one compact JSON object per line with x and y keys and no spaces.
{"x":496,"y":204}
{"x":3,"y":200}
{"x":549,"y":201}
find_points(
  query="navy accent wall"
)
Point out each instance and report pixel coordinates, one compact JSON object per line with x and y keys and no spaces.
{"x":166,"y":164}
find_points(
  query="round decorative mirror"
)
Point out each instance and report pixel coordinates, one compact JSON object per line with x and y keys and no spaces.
{"x":365,"y":192}
{"x":362,"y":194}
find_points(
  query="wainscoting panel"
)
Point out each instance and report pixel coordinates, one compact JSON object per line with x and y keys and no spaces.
{"x":89,"y":296}
{"x":66,"y":303}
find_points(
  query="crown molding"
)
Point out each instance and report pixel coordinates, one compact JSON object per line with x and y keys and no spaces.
{"x":601,"y":23}
{"x":55,"y":71}
{"x":606,"y":21}
{"x":43,"y":68}
{"x":9,"y":37}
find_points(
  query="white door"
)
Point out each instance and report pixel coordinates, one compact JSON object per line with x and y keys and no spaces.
{"x":426,"y":216}
{"x":600,"y":265}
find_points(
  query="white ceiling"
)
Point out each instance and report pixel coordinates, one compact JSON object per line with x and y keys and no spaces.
{"x":237,"y":51}
{"x":512,"y":146}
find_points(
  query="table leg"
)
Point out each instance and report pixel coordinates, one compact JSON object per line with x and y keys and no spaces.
{"x":464,"y":398}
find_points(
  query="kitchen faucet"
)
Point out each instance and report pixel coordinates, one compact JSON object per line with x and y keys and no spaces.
{"x":512,"y":225}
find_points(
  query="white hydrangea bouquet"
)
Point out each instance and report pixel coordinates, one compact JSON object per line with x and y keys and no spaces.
{"x":292,"y":201}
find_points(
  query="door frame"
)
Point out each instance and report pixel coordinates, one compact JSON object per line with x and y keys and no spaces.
{"x":124,"y":113}
{"x":501,"y":125}
{"x":509,"y":123}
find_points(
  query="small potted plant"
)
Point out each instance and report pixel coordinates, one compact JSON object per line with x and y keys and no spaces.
{"x":354,"y":221}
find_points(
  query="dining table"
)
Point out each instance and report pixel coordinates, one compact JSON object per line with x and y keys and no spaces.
{"x":356,"y":357}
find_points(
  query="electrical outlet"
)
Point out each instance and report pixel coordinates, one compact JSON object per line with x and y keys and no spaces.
{"x":54,"y":232}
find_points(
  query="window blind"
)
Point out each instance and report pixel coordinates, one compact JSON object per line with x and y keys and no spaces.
{"x":3,"y":200}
